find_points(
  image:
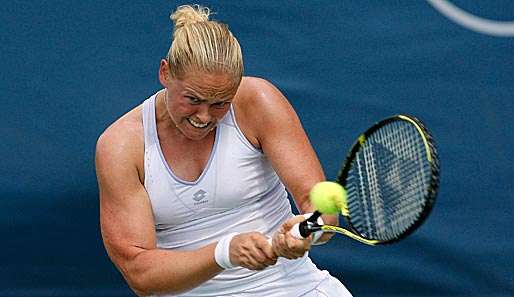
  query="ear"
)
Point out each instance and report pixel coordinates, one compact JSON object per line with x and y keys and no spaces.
{"x":164,"y":73}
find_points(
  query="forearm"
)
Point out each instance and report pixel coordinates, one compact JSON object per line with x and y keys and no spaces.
{"x":159,"y":271}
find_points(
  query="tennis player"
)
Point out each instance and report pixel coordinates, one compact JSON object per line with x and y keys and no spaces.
{"x":193,"y":181}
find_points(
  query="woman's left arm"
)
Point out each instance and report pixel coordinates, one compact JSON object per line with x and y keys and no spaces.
{"x":275,"y":127}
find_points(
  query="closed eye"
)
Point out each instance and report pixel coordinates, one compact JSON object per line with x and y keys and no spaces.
{"x":221,"y":104}
{"x":193,"y":100}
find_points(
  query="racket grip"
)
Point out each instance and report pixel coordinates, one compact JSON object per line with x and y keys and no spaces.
{"x":295,"y":231}
{"x":301,"y":230}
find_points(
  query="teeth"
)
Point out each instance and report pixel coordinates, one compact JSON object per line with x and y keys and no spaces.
{"x":196,"y":124}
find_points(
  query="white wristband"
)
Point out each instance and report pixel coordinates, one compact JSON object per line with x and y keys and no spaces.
{"x":222,"y":251}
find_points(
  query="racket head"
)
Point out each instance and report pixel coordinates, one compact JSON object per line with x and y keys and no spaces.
{"x":391,"y":175}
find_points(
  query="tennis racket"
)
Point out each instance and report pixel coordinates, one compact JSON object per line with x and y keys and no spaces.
{"x":391,"y":175}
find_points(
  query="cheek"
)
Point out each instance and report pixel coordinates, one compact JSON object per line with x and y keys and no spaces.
{"x":182,"y":109}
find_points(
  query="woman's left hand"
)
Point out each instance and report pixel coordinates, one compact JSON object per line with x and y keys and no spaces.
{"x":286,"y":245}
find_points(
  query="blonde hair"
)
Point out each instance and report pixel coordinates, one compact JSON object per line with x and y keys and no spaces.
{"x":202,"y":44}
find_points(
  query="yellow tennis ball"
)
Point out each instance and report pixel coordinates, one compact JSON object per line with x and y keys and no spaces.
{"x":328,"y":197}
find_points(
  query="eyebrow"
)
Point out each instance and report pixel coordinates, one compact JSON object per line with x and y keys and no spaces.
{"x":191,"y":93}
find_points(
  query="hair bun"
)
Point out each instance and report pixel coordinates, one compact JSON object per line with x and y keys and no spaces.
{"x":187,"y":14}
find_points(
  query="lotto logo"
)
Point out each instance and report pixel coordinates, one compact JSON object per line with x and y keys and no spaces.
{"x":199,"y":195}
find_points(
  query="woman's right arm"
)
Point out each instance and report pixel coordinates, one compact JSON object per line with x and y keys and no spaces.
{"x":127,"y":224}
{"x":128,"y":230}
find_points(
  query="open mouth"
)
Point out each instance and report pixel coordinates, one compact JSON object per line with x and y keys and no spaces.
{"x":197,"y":124}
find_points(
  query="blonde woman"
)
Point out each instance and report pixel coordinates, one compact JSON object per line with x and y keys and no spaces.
{"x":193,"y":181}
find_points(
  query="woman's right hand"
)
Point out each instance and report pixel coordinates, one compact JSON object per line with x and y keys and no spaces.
{"x":252,"y":251}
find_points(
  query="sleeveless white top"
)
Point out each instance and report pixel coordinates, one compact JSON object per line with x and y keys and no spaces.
{"x":238,"y":191}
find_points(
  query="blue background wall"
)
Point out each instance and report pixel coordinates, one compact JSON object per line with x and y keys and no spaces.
{"x":70,"y":68}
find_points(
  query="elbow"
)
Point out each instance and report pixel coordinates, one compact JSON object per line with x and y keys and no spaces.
{"x":137,"y":284}
{"x":134,"y":266}
{"x":144,"y":283}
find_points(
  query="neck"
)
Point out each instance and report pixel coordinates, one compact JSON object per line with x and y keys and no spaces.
{"x":162,"y":115}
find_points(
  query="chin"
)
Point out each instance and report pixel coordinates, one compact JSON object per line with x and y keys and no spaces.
{"x":193,"y":133}
{"x":195,"y":136}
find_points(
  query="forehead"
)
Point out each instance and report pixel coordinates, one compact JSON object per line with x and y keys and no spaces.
{"x":210,"y":85}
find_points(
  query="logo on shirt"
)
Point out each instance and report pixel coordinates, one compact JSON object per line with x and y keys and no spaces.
{"x":199,"y":196}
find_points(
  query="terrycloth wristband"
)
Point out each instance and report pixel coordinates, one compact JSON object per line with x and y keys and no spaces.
{"x":222,"y":251}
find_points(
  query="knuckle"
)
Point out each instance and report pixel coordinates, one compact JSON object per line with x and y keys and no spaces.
{"x":254,"y":236}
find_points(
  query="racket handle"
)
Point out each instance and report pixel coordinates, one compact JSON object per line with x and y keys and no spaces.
{"x":296,"y":230}
{"x":303,"y":229}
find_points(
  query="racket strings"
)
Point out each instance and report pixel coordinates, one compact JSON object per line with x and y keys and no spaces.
{"x":402,"y":210}
{"x":387,"y":185}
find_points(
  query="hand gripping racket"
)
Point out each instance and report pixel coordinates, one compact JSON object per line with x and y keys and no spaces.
{"x":391,"y":176}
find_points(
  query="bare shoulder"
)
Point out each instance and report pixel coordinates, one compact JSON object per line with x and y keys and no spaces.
{"x":255,"y":91}
{"x":122,"y":142}
{"x":260,"y":106}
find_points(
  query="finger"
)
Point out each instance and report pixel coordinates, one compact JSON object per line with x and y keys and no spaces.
{"x":271,"y":257}
{"x":244,"y":252}
{"x":305,"y":242}
{"x":249,"y":263}
{"x":290,"y":247}
{"x":259,"y":255}
{"x":261,"y":252}
{"x":288,"y":224}
{"x":298,"y":247}
{"x":278,"y":244}
{"x":255,"y":264}
{"x":280,"y":247}
{"x":267,"y":250}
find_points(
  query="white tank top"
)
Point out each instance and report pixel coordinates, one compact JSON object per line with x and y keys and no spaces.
{"x":238,"y":191}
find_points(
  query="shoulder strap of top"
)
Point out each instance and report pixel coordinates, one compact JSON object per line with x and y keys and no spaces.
{"x":149,"y":120}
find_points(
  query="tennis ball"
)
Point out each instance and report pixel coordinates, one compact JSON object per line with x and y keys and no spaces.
{"x":329,"y":197}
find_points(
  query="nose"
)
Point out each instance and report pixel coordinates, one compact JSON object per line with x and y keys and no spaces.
{"x":203,"y":113}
